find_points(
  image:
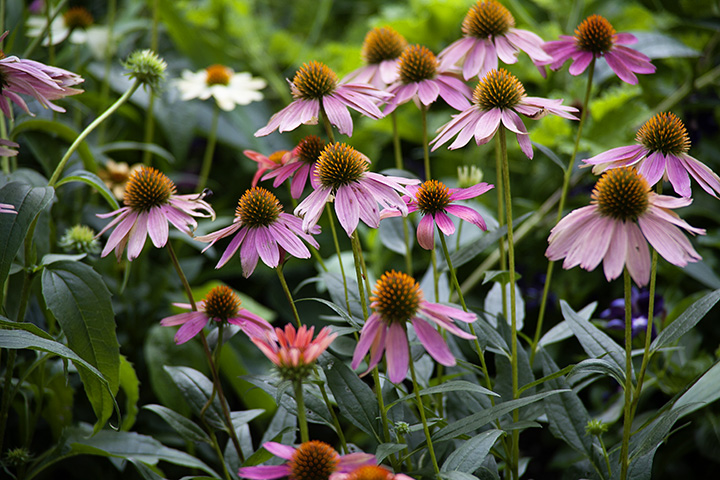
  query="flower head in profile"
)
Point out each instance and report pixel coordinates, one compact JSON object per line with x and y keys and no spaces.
{"x":263,"y":231}
{"x":381,"y":52}
{"x":661,"y":153}
{"x":435,"y":201}
{"x":422,"y":79}
{"x":623,"y":217}
{"x":342,"y":173}
{"x":397,"y":299}
{"x":223,"y":84}
{"x":300,"y":163}
{"x":498,"y":99}
{"x":7,"y":208}
{"x":115,"y":175}
{"x":489,"y":33}
{"x":315,"y":86}
{"x":372,"y":472}
{"x":639,"y":306}
{"x":146,"y":67}
{"x":313,"y":460}
{"x":150,"y":203}
{"x":220,"y":305}
{"x":595,"y":37}
{"x":72,"y":25}
{"x":19,"y":76}
{"x":80,"y":239}
{"x":265,"y":164}
{"x":294,"y":351}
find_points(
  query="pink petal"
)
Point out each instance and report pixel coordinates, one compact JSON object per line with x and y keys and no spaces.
{"x":267,"y":247}
{"x":353,"y":461}
{"x":428,"y":91}
{"x":158,"y":227}
{"x":264,"y":472}
{"x":614,"y":260}
{"x":467,"y":214}
{"x":280,"y":450}
{"x":367,"y":336}
{"x":678,"y":176}
{"x":444,"y":223}
{"x":426,"y":233}
{"x":708,"y":180}
{"x":433,"y":342}
{"x":137,"y":236}
{"x":475,"y":59}
{"x":638,"y":256}
{"x":471,"y":192}
{"x":338,"y":114}
{"x":618,"y":66}
{"x":580,"y":63}
{"x":397,"y":353}
{"x":347,"y":209}
{"x":653,"y":167}
{"x":248,"y":253}
{"x":191,"y":328}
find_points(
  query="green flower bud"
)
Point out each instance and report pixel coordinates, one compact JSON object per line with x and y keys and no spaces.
{"x":147,"y":67}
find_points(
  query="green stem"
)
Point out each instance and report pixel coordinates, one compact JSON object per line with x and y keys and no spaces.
{"x":331,"y":219}
{"x":421,"y":410}
{"x":627,"y":416}
{"x":327,"y":125}
{"x":209,"y":150}
{"x":399,"y":165}
{"x":302,"y":419}
{"x":3,"y":135}
{"x":218,"y":452}
{"x":501,"y":220}
{"x":336,"y":422}
{"x":105,"y":86}
{"x":453,"y":275}
{"x":426,"y":146}
{"x":288,"y":294}
{"x":357,"y":254}
{"x":561,"y":205}
{"x":605,"y":455}
{"x":149,"y":113}
{"x":58,"y":170}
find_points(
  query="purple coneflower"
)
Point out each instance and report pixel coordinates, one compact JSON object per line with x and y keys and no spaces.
{"x":313,"y":460}
{"x":623,"y":216}
{"x":381,"y":52}
{"x":273,"y":162}
{"x":397,"y":299}
{"x":150,"y":203}
{"x":316,"y":86}
{"x":263,"y":231}
{"x":341,"y":175}
{"x":498,"y":98}
{"x":435,"y":200}
{"x":595,"y":38}
{"x":489,"y":34}
{"x":220,"y":305}
{"x":661,"y":153}
{"x":422,"y":79}
{"x":28,"y":77}
{"x":301,"y":163}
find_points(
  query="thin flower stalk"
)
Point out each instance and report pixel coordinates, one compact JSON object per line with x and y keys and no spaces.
{"x":288,"y":294}
{"x":627,"y":409}
{"x":209,"y":149}
{"x":399,"y":165}
{"x":423,"y":419}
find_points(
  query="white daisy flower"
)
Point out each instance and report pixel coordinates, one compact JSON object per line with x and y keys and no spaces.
{"x":227,"y":87}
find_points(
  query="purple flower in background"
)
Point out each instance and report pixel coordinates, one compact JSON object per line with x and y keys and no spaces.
{"x":381,"y":51}
{"x":595,"y":37}
{"x":640,"y":307}
{"x":397,"y":299}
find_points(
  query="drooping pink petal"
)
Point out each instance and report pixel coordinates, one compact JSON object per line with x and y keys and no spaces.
{"x":158,"y":226}
{"x":232,"y":247}
{"x":280,"y":450}
{"x":266,"y":246}
{"x":367,"y":336}
{"x":653,"y":167}
{"x":467,"y":214}
{"x":678,"y":176}
{"x":191,"y":328}
{"x":706,"y":178}
{"x":338,"y":115}
{"x":397,"y":353}
{"x":444,"y":223}
{"x":426,"y":233}
{"x":248,"y":253}
{"x":638,"y":256}
{"x":137,"y":236}
{"x":617,"y":64}
{"x":433,"y":342}
{"x":617,"y":252}
{"x":428,"y":91}
{"x":347,"y":209}
{"x":580,"y":63}
{"x":264,"y":472}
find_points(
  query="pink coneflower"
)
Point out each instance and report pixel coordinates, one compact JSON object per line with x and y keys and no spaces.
{"x":7,"y":208}
{"x":422,"y":80}
{"x":595,"y":38}
{"x":489,"y":34}
{"x":372,"y":472}
{"x":341,"y":172}
{"x":263,"y":230}
{"x":150,"y":203}
{"x":661,"y":153}
{"x":498,"y":98}
{"x":397,"y":299}
{"x":381,"y":52}
{"x":294,"y":351}
{"x":301,"y":163}
{"x":28,"y":77}
{"x":312,"y":460}
{"x":435,"y":200}
{"x":623,"y":216}
{"x":220,"y":305}
{"x":265,"y":164}
{"x":316,"y":86}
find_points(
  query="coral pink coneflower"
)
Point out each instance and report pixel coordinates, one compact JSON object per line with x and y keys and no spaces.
{"x":300,"y":163}
{"x":381,"y":52}
{"x":623,"y":217}
{"x":150,"y":203}
{"x":372,"y":472}
{"x":222,"y":305}
{"x":435,"y":201}
{"x":315,"y":86}
{"x":661,"y":153}
{"x":595,"y":37}
{"x":397,"y":299}
{"x":498,"y":98}
{"x":489,"y":34}
{"x":313,"y":460}
{"x":265,"y":164}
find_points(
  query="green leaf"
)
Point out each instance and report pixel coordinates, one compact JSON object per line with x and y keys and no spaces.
{"x":561,"y":331}
{"x":28,"y":202}
{"x":392,"y":234}
{"x":471,"y":454}
{"x":61,"y":130}
{"x":79,"y":299}
{"x":703,"y":392}
{"x":95,"y":182}
{"x":58,"y":257}
{"x":244,"y":417}
{"x":28,"y":327}
{"x":457,"y":475}
{"x":550,"y":154}
{"x":601,"y":366}
{"x":467,"y":253}
{"x":129,"y":384}
{"x":451,"y":386}
{"x":144,"y":147}
{"x":480,"y":419}
{"x":183,"y":426}
{"x":317,"y":411}
{"x":685,"y":322}
{"x":658,"y":45}
{"x":196,"y":389}
{"x":384,"y":450}
{"x":650,"y":438}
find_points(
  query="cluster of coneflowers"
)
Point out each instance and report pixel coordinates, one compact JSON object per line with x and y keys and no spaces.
{"x":623,"y":217}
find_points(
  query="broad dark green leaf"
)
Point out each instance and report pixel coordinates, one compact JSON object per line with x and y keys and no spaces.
{"x":80,"y":301}
{"x":702,"y":393}
{"x":550,"y":154}
{"x":60,"y":130}
{"x":95,"y":182}
{"x":196,"y":389}
{"x":317,"y":411}
{"x":654,"y":434}
{"x":29,"y":327}
{"x":392,"y":234}
{"x":129,"y":384}
{"x":467,"y":253}
{"x":384,"y":450}
{"x":450,"y":386}
{"x":601,"y":366}
{"x":471,"y":454}
{"x":685,"y":322}
{"x":456,"y":475}
{"x":183,"y":426}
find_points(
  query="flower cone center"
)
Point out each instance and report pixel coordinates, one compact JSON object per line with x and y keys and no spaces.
{"x":369,"y":472}
{"x":417,"y":63}
{"x":595,"y":34}
{"x":277,"y":157}
{"x":313,"y":460}
{"x":664,"y":133}
{"x":340,"y":164}
{"x":147,"y":188}
{"x":396,"y":297}
{"x":218,"y":75}
{"x":498,"y":89}
{"x":382,"y":44}
{"x":77,"y":17}
{"x":258,"y":208}
{"x":621,"y":193}
{"x":310,"y":148}
{"x":487,"y":18}
{"x":314,"y":80}
{"x":221,"y":303}
{"x":432,"y":197}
